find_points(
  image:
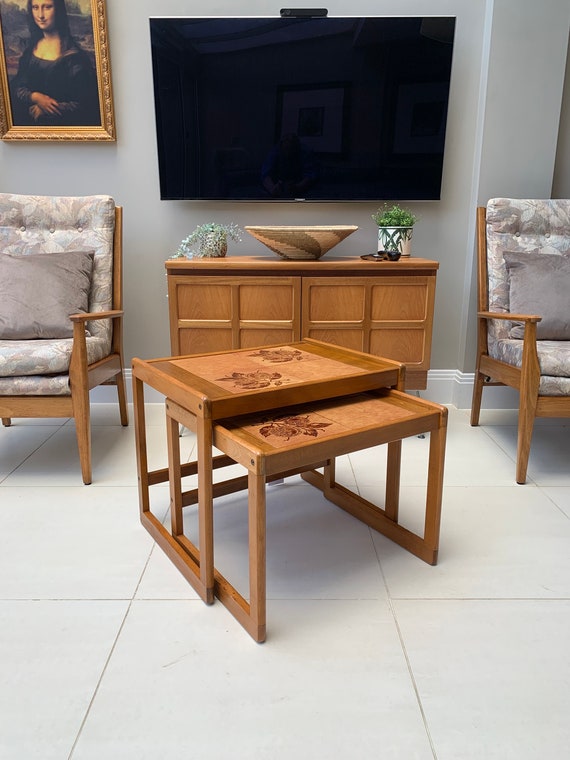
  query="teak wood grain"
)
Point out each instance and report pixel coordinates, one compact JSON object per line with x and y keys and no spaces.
{"x":490,"y":371}
{"x":383,"y":308}
{"x":345,"y":394}
{"x":201,"y":386}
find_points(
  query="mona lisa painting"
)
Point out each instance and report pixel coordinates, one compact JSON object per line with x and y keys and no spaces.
{"x":55,"y":74}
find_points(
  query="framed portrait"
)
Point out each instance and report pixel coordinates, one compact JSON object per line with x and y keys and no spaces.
{"x":55,"y":72}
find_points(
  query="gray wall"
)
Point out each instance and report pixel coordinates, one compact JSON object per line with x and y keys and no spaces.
{"x":503,"y":138}
{"x":561,"y":184}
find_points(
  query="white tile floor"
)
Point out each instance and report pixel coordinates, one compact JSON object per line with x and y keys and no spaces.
{"x":107,"y":654}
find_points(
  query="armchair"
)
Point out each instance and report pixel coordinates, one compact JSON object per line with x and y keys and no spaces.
{"x":60,"y":309}
{"x":524,"y":310}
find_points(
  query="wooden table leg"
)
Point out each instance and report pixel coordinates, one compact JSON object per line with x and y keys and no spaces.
{"x":385,"y":520}
{"x":329,"y":476}
{"x":182,"y":553}
{"x":205,"y":504}
{"x":251,"y":615}
{"x":174,"y":476}
{"x":257,"y":555}
{"x":140,"y":445}
{"x":434,"y":493}
{"x":393,"y":467}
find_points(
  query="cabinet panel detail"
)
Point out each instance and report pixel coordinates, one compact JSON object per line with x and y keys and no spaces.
{"x":210,"y":313}
{"x":384,"y":308}
{"x":204,"y":301}
{"x":345,"y":337}
{"x":267,"y":302}
{"x":197,"y":341}
{"x":336,"y":302}
{"x":400,"y":300}
{"x":403,"y":345}
{"x":253,"y":338}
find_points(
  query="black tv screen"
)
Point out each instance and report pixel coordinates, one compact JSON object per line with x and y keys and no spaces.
{"x":315,"y":109}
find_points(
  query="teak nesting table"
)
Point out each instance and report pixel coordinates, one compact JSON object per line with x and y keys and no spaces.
{"x":278,"y":411}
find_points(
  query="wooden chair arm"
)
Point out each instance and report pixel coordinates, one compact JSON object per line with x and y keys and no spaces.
{"x":510,"y":317}
{"x":78,"y":364}
{"x":90,"y":316}
{"x":529,"y":337}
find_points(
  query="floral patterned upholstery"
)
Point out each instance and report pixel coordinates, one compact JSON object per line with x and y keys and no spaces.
{"x":42,"y":224}
{"x":526,"y":225}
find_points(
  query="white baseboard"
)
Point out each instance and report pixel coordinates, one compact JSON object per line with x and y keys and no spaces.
{"x":455,"y":388}
{"x":105,"y":394}
{"x":445,"y":386}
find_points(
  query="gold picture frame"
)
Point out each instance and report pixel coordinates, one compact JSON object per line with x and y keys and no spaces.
{"x":78,"y":71}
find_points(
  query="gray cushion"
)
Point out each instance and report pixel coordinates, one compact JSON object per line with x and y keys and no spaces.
{"x":539,"y":283}
{"x":38,"y":292}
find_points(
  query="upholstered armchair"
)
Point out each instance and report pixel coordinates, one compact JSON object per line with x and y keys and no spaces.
{"x":60,"y":309}
{"x":524,"y":310}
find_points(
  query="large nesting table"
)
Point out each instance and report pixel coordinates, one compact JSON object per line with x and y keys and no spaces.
{"x":357,"y":403}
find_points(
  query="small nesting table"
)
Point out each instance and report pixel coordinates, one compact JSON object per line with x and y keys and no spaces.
{"x":316,"y":402}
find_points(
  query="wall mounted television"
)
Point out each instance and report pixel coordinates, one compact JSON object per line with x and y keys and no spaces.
{"x":314,"y":109}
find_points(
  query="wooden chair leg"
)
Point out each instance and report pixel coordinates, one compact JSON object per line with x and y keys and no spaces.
{"x":79,"y":385}
{"x":6,"y":421}
{"x":122,"y":394}
{"x":82,"y":416}
{"x":528,"y":400}
{"x":476,"y":400}
{"x":524,"y":436}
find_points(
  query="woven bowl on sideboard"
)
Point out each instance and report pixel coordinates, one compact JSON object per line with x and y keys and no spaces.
{"x":301,"y":243}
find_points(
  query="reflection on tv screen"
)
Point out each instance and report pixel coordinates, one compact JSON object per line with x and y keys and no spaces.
{"x":281,"y":109}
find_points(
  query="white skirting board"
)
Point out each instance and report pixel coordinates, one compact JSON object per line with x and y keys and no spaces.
{"x":455,"y":388}
{"x":445,"y":386}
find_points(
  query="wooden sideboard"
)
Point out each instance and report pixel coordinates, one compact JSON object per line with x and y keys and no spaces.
{"x":382,"y":308}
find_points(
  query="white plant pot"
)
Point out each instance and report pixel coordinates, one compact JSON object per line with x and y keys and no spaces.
{"x":395,"y":239}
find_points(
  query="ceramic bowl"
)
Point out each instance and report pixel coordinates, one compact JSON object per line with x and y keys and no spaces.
{"x":301,"y":243}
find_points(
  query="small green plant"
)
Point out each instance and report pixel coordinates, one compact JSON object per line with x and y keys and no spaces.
{"x":210,"y":239}
{"x":394,"y":216}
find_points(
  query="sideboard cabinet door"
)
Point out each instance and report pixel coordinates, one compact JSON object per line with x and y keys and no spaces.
{"x":385,"y":316}
{"x":236,"y":302}
{"x":217,"y":313}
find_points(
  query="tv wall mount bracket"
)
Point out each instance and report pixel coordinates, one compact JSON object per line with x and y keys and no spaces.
{"x":303,"y":12}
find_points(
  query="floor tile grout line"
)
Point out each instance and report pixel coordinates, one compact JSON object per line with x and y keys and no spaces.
{"x":404,"y":652}
{"x":480,"y":598}
{"x":108,"y":660}
{"x":412,"y":678}
{"x":530,"y":480}
{"x":396,"y":603}
{"x":551,"y":500}
{"x":31,"y":453}
{"x":293,"y":598}
{"x":98,"y":684}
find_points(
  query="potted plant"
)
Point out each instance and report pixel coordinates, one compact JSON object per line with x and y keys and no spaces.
{"x":395,"y":228}
{"x":208,"y":240}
